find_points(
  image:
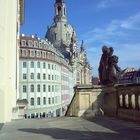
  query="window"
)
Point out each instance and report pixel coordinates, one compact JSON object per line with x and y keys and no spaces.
{"x":48,"y":66}
{"x":38,"y":64}
{"x":32,"y":54}
{"x":52,"y":88}
{"x":24,"y":65}
{"x":36,"y":44}
{"x":38,"y":53}
{"x":44,"y":54}
{"x":32,"y":101}
{"x":52,"y":66}
{"x":49,"y":100}
{"x":32,"y":64}
{"x":32,"y":75}
{"x":49,"y":88}
{"x":44,"y":76}
{"x":30,"y":43}
{"x":38,"y":88}
{"x":44,"y":100}
{"x":24,"y":76}
{"x":44,"y":65}
{"x":38,"y":75}
{"x":40,"y":44}
{"x":52,"y":77}
{"x":49,"y":77}
{"x":64,"y":11}
{"x":53,"y":100}
{"x":38,"y":101}
{"x":23,"y":43}
{"x":24,"y":89}
{"x":44,"y":88}
{"x":24,"y":52}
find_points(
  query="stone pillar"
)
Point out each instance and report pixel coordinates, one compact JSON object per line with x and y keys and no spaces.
{"x":110,"y":103}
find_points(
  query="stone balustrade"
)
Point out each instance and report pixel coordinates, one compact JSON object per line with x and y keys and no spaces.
{"x":128,"y":101}
{"x":121,"y":101}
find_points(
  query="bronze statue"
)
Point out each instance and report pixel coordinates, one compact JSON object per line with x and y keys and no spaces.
{"x":108,"y":69}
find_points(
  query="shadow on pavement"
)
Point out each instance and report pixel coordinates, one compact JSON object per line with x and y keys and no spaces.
{"x":127,"y":128}
{"x":66,"y":134}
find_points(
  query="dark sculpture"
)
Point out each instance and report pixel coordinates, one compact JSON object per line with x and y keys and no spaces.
{"x":109,"y":71}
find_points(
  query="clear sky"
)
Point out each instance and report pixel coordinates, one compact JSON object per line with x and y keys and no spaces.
{"x":114,"y":23}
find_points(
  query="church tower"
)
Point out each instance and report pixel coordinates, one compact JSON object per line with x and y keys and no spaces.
{"x":60,"y":11}
{"x":61,"y":32}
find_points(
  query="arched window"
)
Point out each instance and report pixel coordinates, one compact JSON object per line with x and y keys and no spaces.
{"x":32,"y":101}
{"x":32,"y":88}
{"x":59,"y":11}
{"x":38,"y":101}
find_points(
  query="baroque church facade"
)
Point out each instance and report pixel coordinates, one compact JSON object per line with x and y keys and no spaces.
{"x":63,"y":36}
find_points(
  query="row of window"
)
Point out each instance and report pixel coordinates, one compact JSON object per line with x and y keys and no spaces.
{"x":50,"y":101}
{"x":37,"y":53}
{"x":50,"y":77}
{"x":53,"y":88}
{"x":32,"y":65}
{"x":31,"y":43}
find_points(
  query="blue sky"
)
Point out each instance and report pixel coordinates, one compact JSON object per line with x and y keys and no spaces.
{"x":113,"y":23}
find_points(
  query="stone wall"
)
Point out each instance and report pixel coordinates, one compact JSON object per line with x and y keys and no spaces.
{"x":85,"y":102}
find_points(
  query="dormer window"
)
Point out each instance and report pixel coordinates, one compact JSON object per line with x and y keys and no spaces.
{"x":36,"y":44}
{"x":23,"y":43}
{"x":40,"y":45}
{"x":30,"y":43}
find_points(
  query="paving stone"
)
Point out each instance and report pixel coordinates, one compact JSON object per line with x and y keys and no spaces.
{"x":70,"y":128}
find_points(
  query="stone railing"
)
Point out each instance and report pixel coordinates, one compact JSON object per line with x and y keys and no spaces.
{"x":128,"y":99}
{"x":121,"y":101}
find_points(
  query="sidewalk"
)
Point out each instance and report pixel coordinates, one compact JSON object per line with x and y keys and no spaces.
{"x":66,"y":128}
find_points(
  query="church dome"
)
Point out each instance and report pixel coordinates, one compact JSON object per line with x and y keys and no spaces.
{"x":60,"y":32}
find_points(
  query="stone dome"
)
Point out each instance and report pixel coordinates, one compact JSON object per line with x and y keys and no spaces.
{"x":60,"y":33}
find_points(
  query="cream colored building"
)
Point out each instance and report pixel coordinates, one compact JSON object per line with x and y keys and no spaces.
{"x":9,"y":31}
{"x":45,"y":78}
